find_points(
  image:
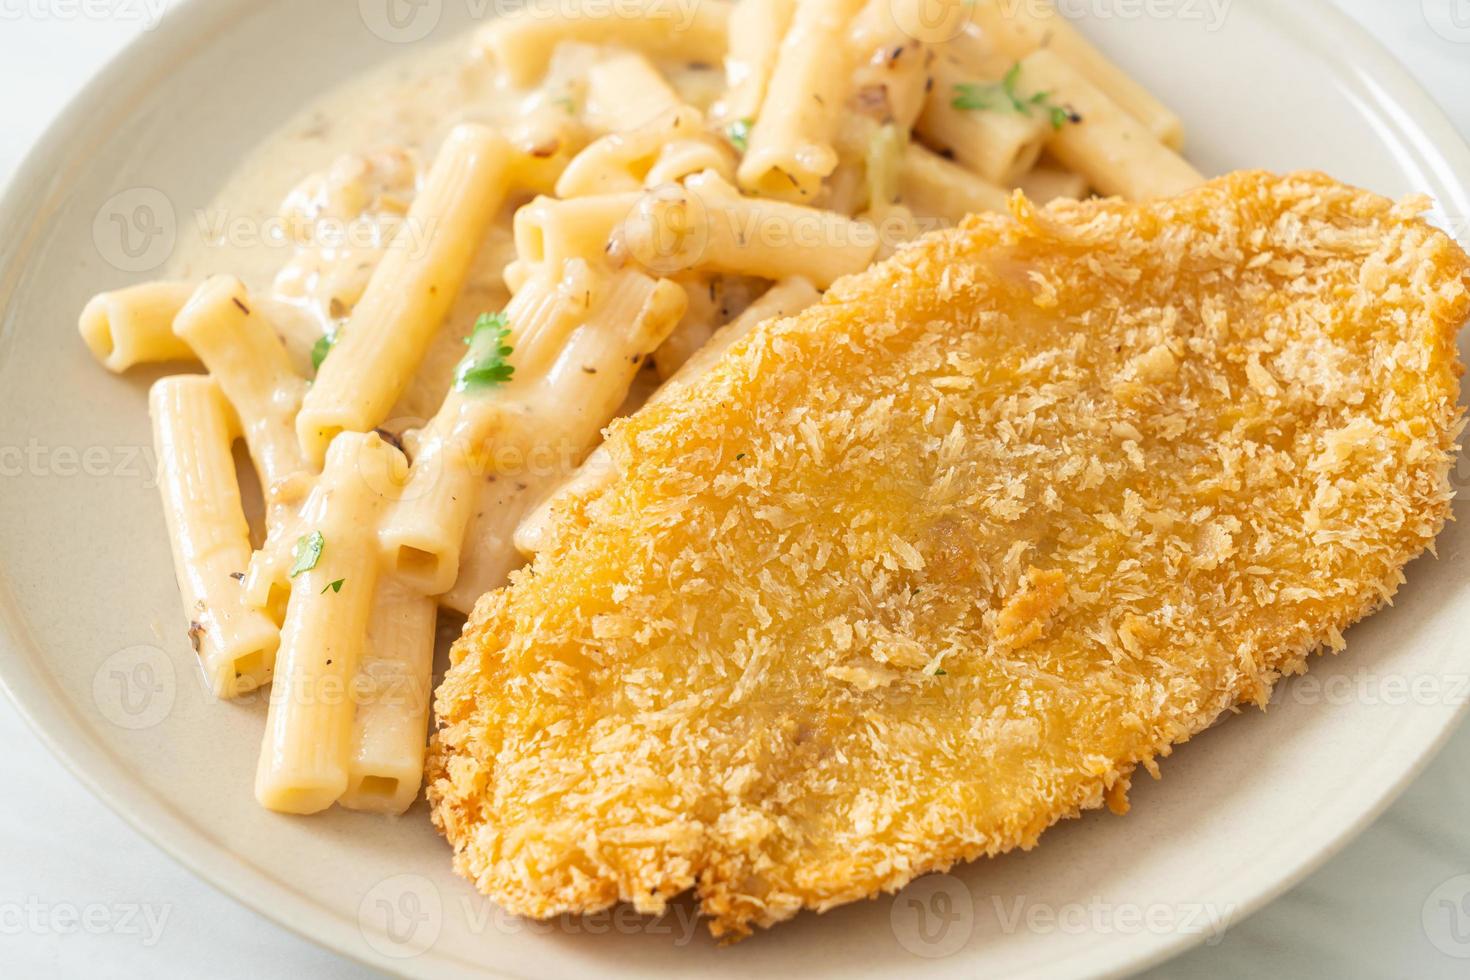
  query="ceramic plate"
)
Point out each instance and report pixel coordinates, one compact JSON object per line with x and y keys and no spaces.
{"x":91,"y":649}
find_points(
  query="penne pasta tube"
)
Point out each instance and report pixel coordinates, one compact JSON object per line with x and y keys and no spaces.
{"x":410,"y":292}
{"x":521,"y":42}
{"x":933,"y":187}
{"x":622,"y":162}
{"x":891,"y":73}
{"x":529,"y":430}
{"x":702,"y":317}
{"x":135,"y":325}
{"x":680,"y":159}
{"x":248,"y":360}
{"x":390,"y":727}
{"x":786,"y":298}
{"x":554,"y":420}
{"x":997,"y":143}
{"x":306,"y":751}
{"x":706,"y":225}
{"x":625,"y":92}
{"x":790,"y":147}
{"x":756,"y":29}
{"x":1110,"y":148}
{"x":1049,"y":181}
{"x":549,"y":232}
{"x":193,"y":431}
{"x":1018,"y":29}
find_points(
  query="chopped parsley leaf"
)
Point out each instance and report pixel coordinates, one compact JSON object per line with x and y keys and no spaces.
{"x":739,"y":133}
{"x":485,"y":365}
{"x":322,"y":348}
{"x":1005,"y":95}
{"x":308,"y":552}
{"x":334,"y":586}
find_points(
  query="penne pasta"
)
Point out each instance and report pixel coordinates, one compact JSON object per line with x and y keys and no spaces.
{"x":1049,"y":181}
{"x":933,"y":187}
{"x":390,"y":726}
{"x":521,"y":42}
{"x":135,"y":325}
{"x":1110,"y":148}
{"x":548,"y":232}
{"x":756,"y":29}
{"x":569,"y":378}
{"x":707,"y":225}
{"x":410,"y":292}
{"x":307,"y":748}
{"x":625,"y":92}
{"x":193,"y":431}
{"x":997,"y":144}
{"x":667,"y":149}
{"x":1019,"y":29}
{"x":791,"y":143}
{"x":246,"y":357}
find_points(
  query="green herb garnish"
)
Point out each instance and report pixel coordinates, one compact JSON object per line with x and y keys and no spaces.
{"x":940,"y":672}
{"x":739,"y":133}
{"x":308,"y":552}
{"x":485,"y":365}
{"x":322,"y":348}
{"x":334,"y":586}
{"x":1005,"y":95}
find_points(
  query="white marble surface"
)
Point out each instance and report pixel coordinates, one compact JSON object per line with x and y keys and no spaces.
{"x":81,"y":894}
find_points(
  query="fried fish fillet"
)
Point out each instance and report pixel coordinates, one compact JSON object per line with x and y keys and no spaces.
{"x":916,"y":574}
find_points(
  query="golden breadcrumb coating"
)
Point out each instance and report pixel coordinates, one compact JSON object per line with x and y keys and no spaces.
{"x":916,"y":574}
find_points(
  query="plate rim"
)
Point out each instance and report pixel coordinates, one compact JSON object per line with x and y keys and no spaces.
{"x":1319,"y":25}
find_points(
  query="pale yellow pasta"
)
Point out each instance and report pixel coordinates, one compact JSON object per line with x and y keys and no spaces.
{"x":625,"y":91}
{"x":193,"y":431}
{"x":668,"y":148}
{"x":246,"y":357}
{"x":549,"y":232}
{"x":1110,"y":148}
{"x":933,"y":187}
{"x":997,"y":143}
{"x":390,"y":727}
{"x":521,"y":42}
{"x":790,"y":148}
{"x":706,"y":224}
{"x":756,"y":30}
{"x":135,"y":325}
{"x":786,"y":298}
{"x":306,"y":751}
{"x":410,"y":292}
{"x":684,"y":158}
{"x":530,"y":430}
{"x":1019,"y":29}
{"x":1048,"y":181}
{"x":702,"y":317}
